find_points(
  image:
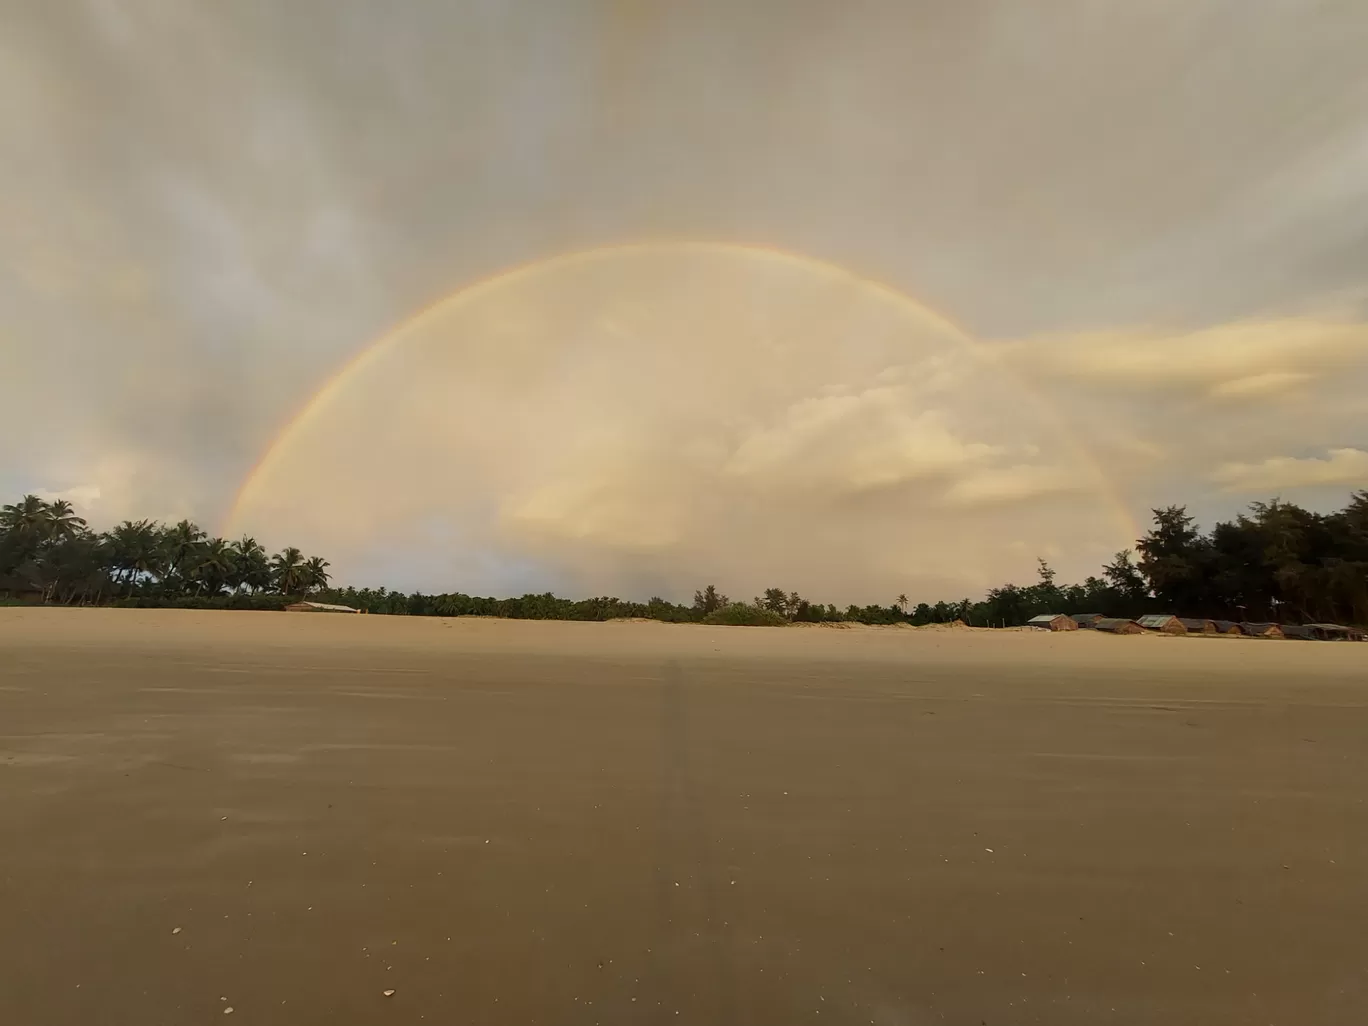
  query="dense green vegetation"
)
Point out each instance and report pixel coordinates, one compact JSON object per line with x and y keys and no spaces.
{"x":738,"y":614}
{"x":48,"y":553}
{"x":1275,"y":562}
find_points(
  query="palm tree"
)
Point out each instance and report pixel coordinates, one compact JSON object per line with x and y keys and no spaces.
{"x":134,"y":549}
{"x":178,"y":550}
{"x":212,"y":564}
{"x":26,"y":519}
{"x":252,"y":568}
{"x":316,"y":574}
{"x":902,"y":603}
{"x":71,"y":568}
{"x":237,"y":576}
{"x":62,"y":521}
{"x":287,"y":571}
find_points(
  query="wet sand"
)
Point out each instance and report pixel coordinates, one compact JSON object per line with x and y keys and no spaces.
{"x":503,"y":822}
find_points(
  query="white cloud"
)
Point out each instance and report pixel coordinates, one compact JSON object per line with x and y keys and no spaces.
{"x":84,"y":498}
{"x":1239,"y":360}
{"x":856,"y":442}
{"x":616,"y":503}
{"x":1339,"y":467}
{"x":1001,"y":486}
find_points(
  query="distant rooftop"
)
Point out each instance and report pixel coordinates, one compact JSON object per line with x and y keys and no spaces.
{"x":319,"y":607}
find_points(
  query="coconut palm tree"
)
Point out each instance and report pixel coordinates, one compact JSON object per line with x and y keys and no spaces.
{"x":316,"y":574}
{"x":26,"y":520}
{"x":251,"y":566}
{"x":180,"y":539}
{"x":178,"y":552}
{"x":62,"y":521}
{"x":287,"y":571}
{"x":212,"y":565}
{"x":133,"y":550}
{"x":71,"y":568}
{"x":902,"y":604}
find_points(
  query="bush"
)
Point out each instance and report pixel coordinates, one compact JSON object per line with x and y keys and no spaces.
{"x":270,"y":603}
{"x":740,"y":615}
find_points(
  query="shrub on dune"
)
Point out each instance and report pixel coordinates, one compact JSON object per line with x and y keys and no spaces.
{"x":740,"y":615}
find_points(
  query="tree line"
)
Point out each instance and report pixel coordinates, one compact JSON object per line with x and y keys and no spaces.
{"x":48,"y":552}
{"x":1275,"y":562}
{"x":1278,"y":562}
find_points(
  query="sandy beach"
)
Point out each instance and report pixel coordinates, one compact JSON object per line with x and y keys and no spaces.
{"x":291,"y":815}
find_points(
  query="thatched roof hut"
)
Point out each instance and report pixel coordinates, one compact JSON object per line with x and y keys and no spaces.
{"x":1086,"y":620}
{"x":1261,"y":630}
{"x":1334,"y":632}
{"x":1297,"y":632}
{"x":1162,"y":623}
{"x":1198,"y":625}
{"x":1226,"y":627}
{"x":1116,"y":625}
{"x":1052,"y":622}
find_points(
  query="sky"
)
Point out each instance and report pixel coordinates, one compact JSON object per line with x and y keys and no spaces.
{"x":628,"y":297}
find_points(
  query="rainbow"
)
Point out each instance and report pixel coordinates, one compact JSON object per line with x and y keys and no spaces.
{"x":374,"y":351}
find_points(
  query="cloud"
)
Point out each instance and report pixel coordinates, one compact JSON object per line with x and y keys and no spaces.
{"x":1339,"y":467}
{"x":1243,"y":360}
{"x":83,"y":498}
{"x":212,"y":208}
{"x":1005,"y":486}
{"x":707,"y":427}
{"x":602,"y":503}
{"x":118,"y":485}
{"x":853,"y":443}
{"x":1261,"y":386}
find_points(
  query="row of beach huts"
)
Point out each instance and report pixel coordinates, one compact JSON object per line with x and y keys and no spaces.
{"x":1166,"y":623}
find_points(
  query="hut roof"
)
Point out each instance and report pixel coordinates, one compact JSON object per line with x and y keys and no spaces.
{"x":1045,"y":618}
{"x":319,"y":607}
{"x":1195,"y":623}
{"x":1082,"y":618}
{"x":1154,"y":621}
{"x":1114,"y":623}
{"x":1256,"y":630}
{"x":1335,"y":632}
{"x":1225,"y":626}
{"x":1296,"y":631}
